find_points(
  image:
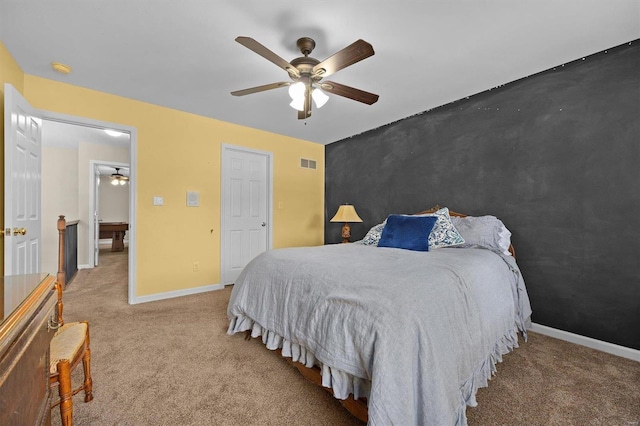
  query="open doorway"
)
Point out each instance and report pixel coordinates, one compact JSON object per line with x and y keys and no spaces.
{"x":74,"y":149}
{"x":110,"y":209}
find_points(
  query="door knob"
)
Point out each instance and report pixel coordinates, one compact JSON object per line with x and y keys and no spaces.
{"x":19,"y":231}
{"x":263,"y":224}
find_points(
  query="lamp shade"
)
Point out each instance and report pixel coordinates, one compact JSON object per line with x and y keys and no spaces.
{"x":346,"y":213}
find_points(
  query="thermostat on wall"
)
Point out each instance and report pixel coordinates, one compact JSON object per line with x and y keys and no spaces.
{"x":193,"y":199}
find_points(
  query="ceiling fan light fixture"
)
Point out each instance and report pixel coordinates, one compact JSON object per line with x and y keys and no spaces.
{"x":319,"y":97}
{"x":298,"y":104}
{"x":296,"y":90}
{"x":118,"y":178}
{"x":115,"y":180}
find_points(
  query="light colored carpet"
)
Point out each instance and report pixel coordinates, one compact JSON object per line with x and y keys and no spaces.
{"x":171,"y":363}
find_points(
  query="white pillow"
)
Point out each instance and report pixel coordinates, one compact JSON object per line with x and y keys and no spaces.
{"x":485,"y":231}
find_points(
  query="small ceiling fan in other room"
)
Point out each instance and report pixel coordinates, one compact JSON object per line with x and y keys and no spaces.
{"x":307,"y":74}
{"x":118,"y":178}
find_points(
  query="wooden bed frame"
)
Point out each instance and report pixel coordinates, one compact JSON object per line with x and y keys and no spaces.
{"x":357,"y":407}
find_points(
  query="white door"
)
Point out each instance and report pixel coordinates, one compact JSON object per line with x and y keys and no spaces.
{"x":22,"y":162}
{"x":246,"y":208}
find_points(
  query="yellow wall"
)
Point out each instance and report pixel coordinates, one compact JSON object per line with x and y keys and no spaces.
{"x":177,"y":152}
{"x":11,"y":73}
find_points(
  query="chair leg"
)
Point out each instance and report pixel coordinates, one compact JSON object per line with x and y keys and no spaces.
{"x":66,"y":393}
{"x":86,"y":366}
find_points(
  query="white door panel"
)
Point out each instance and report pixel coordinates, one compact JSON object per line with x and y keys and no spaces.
{"x":256,"y":243}
{"x":22,"y":163}
{"x":246,"y":211}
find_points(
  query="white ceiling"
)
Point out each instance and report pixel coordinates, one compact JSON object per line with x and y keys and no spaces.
{"x":182,"y":54}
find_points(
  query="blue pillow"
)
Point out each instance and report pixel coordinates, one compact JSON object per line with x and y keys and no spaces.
{"x":407,"y":232}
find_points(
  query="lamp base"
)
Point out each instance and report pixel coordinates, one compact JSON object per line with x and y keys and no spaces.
{"x":346,"y":233}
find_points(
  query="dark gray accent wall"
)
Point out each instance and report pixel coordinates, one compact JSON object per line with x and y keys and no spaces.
{"x":556,"y":156}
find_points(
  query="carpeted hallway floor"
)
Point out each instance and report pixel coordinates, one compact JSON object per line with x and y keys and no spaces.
{"x":171,"y":363}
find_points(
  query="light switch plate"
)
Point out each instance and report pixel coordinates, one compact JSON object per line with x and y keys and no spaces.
{"x":193,"y":199}
{"x":158,"y":201}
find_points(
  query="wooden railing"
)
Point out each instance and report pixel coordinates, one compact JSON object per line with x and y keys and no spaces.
{"x":67,"y":250}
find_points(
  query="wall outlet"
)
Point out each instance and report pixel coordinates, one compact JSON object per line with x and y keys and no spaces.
{"x":196,"y":266}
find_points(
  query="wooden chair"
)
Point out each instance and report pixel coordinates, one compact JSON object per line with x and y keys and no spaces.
{"x":69,"y":346}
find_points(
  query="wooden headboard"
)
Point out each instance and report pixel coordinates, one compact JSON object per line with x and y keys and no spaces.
{"x":452,"y":213}
{"x":438,"y":207}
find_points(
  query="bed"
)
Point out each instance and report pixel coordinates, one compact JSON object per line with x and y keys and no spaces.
{"x":402,"y":331}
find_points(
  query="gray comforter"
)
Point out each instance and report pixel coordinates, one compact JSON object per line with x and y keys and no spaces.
{"x":416,"y":332}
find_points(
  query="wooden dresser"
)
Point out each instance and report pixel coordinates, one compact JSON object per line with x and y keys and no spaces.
{"x":24,"y":351}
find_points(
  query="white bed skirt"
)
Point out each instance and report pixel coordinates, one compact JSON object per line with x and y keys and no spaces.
{"x":343,"y":384}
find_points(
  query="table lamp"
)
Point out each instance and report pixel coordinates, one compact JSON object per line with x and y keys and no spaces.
{"x":346,"y":213}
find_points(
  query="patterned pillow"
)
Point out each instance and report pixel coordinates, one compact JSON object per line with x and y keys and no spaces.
{"x":444,"y":234}
{"x":373,"y":236}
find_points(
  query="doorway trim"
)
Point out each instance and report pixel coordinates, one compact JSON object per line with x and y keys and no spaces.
{"x":133,"y":186}
{"x":224,"y":201}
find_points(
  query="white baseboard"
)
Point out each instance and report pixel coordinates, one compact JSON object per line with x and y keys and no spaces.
{"x":600,"y":345}
{"x":176,"y":293}
{"x":85,"y":266}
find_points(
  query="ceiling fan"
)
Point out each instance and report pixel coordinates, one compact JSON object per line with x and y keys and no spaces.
{"x":307,"y":73}
{"x":118,"y":178}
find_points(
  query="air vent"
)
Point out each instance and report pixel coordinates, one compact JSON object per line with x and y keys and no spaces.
{"x":305,"y":163}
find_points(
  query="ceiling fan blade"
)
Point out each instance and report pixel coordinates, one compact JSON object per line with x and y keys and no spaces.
{"x":258,"y":48}
{"x":351,"y":54}
{"x":260,"y":88}
{"x":349,"y":92}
